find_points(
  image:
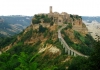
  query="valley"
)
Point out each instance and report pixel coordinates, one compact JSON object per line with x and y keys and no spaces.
{"x":14,"y":24}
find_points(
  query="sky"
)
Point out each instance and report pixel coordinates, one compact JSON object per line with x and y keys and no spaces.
{"x":31,"y":7}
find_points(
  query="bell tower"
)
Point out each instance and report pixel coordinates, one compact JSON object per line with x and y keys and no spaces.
{"x":50,"y":9}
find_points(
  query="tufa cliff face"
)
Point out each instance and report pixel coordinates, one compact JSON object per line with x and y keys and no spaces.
{"x":77,"y":24}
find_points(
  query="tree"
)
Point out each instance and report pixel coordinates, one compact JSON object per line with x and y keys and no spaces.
{"x":69,"y":25}
{"x":51,"y":23}
{"x":91,"y":63}
{"x":42,"y":16}
{"x":46,"y":20}
{"x":36,"y":16}
{"x":94,"y":59}
{"x":35,"y":21}
{"x":78,"y":63}
{"x":42,"y":29}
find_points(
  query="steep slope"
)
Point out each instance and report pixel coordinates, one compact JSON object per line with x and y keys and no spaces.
{"x":42,"y":48}
{"x":78,"y":41}
{"x":38,"y":47}
{"x":11,"y":25}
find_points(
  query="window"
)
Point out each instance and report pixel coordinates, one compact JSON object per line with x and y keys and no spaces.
{"x":59,"y":20}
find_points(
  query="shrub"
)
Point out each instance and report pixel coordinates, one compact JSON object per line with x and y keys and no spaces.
{"x":42,"y":29}
{"x":69,"y":25}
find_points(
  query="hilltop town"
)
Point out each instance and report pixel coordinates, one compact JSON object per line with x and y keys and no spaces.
{"x":55,"y":18}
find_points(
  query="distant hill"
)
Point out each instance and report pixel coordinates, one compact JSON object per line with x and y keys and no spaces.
{"x":91,"y":19}
{"x":11,"y":25}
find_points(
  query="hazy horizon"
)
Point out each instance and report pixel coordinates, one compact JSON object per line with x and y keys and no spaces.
{"x":30,"y":7}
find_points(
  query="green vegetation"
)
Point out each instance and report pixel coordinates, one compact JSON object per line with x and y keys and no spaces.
{"x":84,"y":47}
{"x":78,"y":63}
{"x":66,"y":38}
{"x":69,"y":26}
{"x":28,"y":59}
{"x":65,"y":22}
{"x":42,"y":29}
{"x":91,"y":63}
{"x":36,"y":21}
{"x":4,"y":41}
{"x":86,"y":40}
{"x":75,"y":17}
{"x":23,"y":56}
{"x":51,"y":23}
{"x":27,"y":35}
{"x":45,"y":18}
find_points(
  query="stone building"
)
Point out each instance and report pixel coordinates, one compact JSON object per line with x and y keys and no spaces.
{"x":58,"y":19}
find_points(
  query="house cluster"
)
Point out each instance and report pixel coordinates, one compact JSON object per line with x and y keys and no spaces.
{"x":60,"y":18}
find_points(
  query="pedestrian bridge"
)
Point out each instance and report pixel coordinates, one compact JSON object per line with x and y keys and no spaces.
{"x":68,"y":50}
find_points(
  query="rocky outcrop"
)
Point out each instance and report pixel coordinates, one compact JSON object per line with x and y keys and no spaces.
{"x":79,"y":26}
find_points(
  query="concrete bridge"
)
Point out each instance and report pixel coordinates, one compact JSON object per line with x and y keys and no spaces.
{"x":68,"y":50}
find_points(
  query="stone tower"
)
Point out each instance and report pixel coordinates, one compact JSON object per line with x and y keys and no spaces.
{"x":50,"y":9}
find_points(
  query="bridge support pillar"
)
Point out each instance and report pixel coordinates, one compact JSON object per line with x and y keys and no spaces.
{"x":72,"y":52}
{"x":68,"y":52}
{"x":64,"y":46}
{"x":61,"y":43}
{"x":60,"y":39}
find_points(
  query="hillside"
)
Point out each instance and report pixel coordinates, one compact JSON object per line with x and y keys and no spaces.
{"x":11,"y":25}
{"x":40,"y":49}
{"x":53,"y":41}
{"x":78,"y":40}
{"x":38,"y":46}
